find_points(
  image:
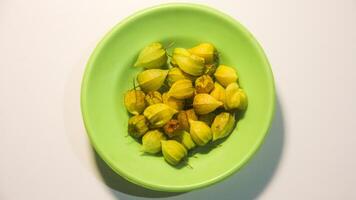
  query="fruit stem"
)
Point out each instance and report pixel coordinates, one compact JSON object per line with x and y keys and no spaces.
{"x":170,"y":45}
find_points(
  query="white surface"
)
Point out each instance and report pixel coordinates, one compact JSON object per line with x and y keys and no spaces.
{"x":309,"y":154}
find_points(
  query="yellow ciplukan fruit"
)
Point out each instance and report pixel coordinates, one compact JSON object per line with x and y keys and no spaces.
{"x":218,"y":92}
{"x":138,"y":126}
{"x":222,"y":125}
{"x":185,"y":139}
{"x":187,"y":62}
{"x":151,"y":79}
{"x":243,"y":99}
{"x":152,"y":56}
{"x":173,"y":151}
{"x":176,"y":74}
{"x":204,"y":84}
{"x":159,"y":114}
{"x":182,"y":89}
{"x":134,"y":101}
{"x":177,"y":104}
{"x":204,"y":50}
{"x":205,"y":103}
{"x":233,"y":97}
{"x":151,"y":141}
{"x":200,"y":132}
{"x":225,"y":75}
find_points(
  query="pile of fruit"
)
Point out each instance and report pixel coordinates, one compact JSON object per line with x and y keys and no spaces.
{"x":183,"y":100}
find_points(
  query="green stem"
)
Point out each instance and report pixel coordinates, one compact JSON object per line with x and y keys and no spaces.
{"x":191,"y":167}
{"x":170,"y":45}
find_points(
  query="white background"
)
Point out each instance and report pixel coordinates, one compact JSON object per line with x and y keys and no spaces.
{"x":309,"y":153}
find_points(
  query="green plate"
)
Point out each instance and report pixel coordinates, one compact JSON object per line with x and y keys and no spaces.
{"x":109,"y":74}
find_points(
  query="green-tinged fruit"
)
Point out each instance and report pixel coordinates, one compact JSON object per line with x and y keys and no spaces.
{"x":205,"y":103}
{"x":185,"y":139}
{"x":151,"y":141}
{"x":152,"y":56}
{"x":159,"y":114}
{"x":222,"y":125}
{"x":200,"y":132}
{"x":204,"y":50}
{"x":182,"y":89}
{"x":151,"y":79}
{"x":189,"y":63}
{"x":225,"y":75}
{"x":138,"y":126}
{"x":175,"y":74}
{"x":135,"y":101}
{"x":173,"y":151}
{"x":232,"y":100}
{"x":243,"y":99}
{"x":218,"y":92}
